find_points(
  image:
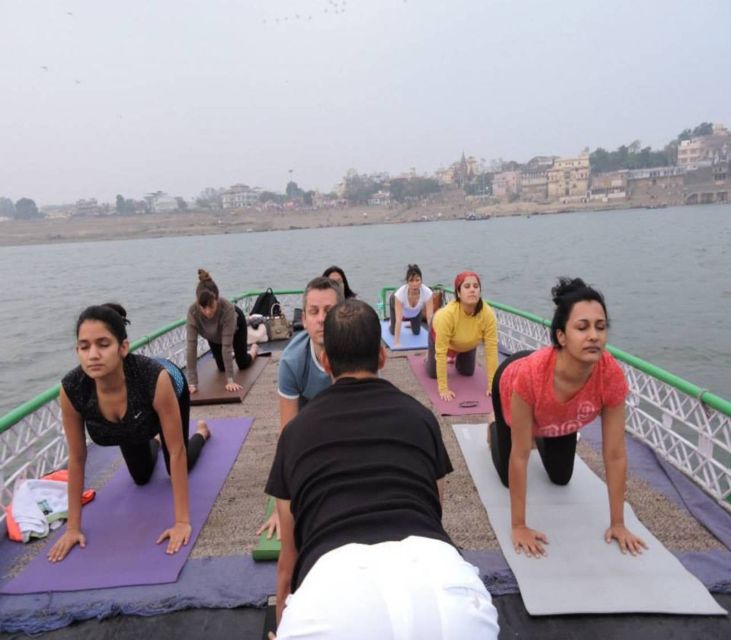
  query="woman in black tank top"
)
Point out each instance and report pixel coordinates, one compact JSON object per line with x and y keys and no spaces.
{"x":130,"y":401}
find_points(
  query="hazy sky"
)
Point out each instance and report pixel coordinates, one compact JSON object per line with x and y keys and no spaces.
{"x":100,"y":97}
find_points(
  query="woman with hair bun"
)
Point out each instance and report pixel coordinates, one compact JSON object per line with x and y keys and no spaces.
{"x":410,"y":302}
{"x":457,"y":330}
{"x":130,"y":401}
{"x":547,"y":395}
{"x":223,"y":324}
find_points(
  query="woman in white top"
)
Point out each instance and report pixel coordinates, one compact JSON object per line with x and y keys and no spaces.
{"x":408,"y":303}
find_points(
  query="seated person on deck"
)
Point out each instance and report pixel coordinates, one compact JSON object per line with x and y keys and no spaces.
{"x":130,"y":401}
{"x":547,"y":396}
{"x":458,"y":328}
{"x":358,"y":476}
{"x":410,"y":302}
{"x":301,"y":375}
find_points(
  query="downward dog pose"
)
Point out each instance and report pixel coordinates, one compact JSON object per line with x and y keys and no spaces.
{"x":223,"y":324}
{"x":130,"y":401}
{"x":358,"y":476}
{"x":548,"y":395}
{"x":337,"y":274}
{"x":457,"y":329}
{"x":410,"y":302}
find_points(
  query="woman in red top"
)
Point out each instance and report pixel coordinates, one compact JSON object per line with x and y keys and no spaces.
{"x":547,"y":396}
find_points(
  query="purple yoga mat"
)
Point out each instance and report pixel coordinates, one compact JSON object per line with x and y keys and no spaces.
{"x":468,"y":390}
{"x":123,"y":522}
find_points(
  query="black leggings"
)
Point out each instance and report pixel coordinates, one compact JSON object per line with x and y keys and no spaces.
{"x":557,"y":454}
{"x":415,"y":321}
{"x":241,"y":349}
{"x":464,"y":362}
{"x":141,"y":457}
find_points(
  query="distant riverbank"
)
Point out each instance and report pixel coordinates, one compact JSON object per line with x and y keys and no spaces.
{"x":193,"y":223}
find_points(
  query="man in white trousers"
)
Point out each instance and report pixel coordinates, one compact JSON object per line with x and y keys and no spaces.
{"x":358,"y":476}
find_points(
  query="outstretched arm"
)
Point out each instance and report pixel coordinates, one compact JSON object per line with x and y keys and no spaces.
{"x":287,"y":556}
{"x":167,"y":409}
{"x":399,"y":311}
{"x":73,"y":426}
{"x":615,"y":464}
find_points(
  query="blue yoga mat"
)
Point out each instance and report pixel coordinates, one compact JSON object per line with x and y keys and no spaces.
{"x":408,"y":340}
{"x":123,"y":522}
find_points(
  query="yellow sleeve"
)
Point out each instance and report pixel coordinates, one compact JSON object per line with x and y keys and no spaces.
{"x":443,"y":324}
{"x":489,"y":337}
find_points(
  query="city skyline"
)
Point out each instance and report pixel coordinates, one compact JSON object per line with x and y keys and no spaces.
{"x":132,"y":99}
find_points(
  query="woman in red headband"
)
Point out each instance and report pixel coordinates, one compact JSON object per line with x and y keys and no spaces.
{"x":457,"y":329}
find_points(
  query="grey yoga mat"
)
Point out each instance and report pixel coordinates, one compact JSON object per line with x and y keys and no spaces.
{"x":581,"y":573}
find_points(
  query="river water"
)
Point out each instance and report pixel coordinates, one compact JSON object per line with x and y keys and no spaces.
{"x":666,"y":276}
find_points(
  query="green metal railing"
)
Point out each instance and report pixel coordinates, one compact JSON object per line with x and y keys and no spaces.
{"x":25,"y":409}
{"x":689,"y":426}
{"x":706,"y":397}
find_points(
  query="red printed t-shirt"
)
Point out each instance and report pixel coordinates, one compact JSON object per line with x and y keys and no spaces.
{"x":532,"y":378}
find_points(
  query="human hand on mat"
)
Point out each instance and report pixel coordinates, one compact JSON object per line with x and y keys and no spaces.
{"x":65,"y":543}
{"x":271,"y":526}
{"x":233,"y":386}
{"x":625,"y":538}
{"x":447,"y":395}
{"x":192,"y":389}
{"x":177,"y":536}
{"x":528,"y":541}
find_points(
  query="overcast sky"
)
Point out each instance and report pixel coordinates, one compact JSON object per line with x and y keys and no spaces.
{"x":100,"y":97}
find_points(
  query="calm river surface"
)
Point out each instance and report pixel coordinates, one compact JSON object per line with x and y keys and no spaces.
{"x":666,"y":275}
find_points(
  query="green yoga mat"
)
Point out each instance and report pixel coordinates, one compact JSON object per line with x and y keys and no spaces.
{"x":267,"y":549}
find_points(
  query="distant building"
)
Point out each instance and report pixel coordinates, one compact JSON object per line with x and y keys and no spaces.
{"x":445,"y":176}
{"x":705,"y":150}
{"x":568,"y":179}
{"x":88,"y":207}
{"x":380,"y":199}
{"x":239,"y":196}
{"x":160,"y":202}
{"x":609,"y":186}
{"x":540,"y":164}
{"x":708,"y":184}
{"x":656,"y":186}
{"x":505,"y":184}
{"x":534,"y":186}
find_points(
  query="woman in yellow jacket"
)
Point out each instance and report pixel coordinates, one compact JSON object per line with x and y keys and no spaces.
{"x":457,"y":329}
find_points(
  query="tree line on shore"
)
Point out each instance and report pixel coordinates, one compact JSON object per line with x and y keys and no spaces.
{"x":359,"y":189}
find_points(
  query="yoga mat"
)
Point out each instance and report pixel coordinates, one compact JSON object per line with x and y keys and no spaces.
{"x":468,"y":389}
{"x":409,"y":341}
{"x":124,"y":521}
{"x":212,"y":382}
{"x":581,"y":573}
{"x":267,"y":548}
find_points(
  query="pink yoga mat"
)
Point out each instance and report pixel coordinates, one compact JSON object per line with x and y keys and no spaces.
{"x":123,"y":522}
{"x":470,"y":391}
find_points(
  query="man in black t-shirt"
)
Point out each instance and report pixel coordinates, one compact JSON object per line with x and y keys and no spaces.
{"x":358,"y":476}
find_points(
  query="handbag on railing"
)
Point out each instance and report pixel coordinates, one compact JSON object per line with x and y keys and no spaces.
{"x":277,"y":326}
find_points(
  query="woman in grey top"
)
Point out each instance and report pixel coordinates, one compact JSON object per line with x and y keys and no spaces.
{"x":224,"y":326}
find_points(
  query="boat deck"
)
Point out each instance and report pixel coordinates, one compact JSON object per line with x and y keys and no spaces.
{"x":239,"y":510}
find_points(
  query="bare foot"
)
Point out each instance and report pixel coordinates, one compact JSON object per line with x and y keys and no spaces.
{"x":203,"y":429}
{"x":253,"y":351}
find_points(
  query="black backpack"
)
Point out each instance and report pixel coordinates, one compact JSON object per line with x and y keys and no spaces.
{"x":264,"y":303}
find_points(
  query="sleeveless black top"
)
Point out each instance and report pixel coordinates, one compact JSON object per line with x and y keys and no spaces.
{"x":141,"y":422}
